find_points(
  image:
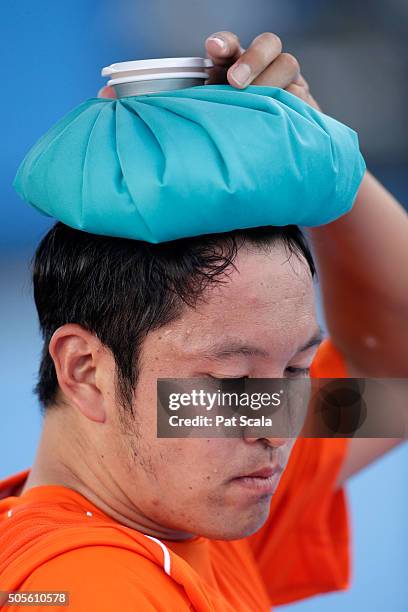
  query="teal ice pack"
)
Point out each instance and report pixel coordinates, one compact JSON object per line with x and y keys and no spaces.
{"x":193,"y":161}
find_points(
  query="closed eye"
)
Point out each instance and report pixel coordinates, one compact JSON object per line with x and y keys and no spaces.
{"x":228,"y":377}
{"x":293,"y":372}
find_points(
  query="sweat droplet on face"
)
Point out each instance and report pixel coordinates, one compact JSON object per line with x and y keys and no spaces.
{"x":371,"y":341}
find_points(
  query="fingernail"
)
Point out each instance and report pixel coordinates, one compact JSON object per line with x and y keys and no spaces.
{"x":241,"y":73}
{"x":219,"y":41}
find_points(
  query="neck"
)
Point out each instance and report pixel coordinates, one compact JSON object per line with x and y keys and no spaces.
{"x":66,"y":460}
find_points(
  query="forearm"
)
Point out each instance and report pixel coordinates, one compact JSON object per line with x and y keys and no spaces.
{"x":361,"y":453}
{"x":362,"y":261}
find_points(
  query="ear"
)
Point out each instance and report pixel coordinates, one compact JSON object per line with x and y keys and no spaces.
{"x":80,"y":362}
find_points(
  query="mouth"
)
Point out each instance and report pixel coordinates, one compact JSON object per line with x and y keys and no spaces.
{"x":263,"y":482}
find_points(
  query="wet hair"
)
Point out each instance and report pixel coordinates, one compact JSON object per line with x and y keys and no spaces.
{"x":120,"y":289}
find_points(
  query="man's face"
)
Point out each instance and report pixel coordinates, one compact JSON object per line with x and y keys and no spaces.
{"x":190,"y":486}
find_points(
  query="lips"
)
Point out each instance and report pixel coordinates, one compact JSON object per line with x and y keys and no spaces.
{"x":262,"y":482}
{"x":265,"y":472}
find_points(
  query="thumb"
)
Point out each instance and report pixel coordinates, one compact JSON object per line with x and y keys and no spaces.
{"x":107,"y":92}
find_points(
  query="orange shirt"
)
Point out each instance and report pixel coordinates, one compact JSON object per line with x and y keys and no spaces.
{"x":53,"y":539}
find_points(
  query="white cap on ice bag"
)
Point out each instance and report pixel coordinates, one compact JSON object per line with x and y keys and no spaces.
{"x":160,"y":74}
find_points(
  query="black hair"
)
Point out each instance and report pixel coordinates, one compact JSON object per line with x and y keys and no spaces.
{"x":120,"y":289}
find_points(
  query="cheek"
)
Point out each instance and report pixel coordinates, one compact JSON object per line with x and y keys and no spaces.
{"x":192,"y":462}
{"x":186,"y":463}
{"x":284,"y":452}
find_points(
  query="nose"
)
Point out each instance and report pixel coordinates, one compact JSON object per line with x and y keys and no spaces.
{"x":274,"y":442}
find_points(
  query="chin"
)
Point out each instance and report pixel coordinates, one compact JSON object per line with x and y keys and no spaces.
{"x":238,"y":533}
{"x":242,"y":528}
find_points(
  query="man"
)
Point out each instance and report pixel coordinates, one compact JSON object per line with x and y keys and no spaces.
{"x":123,"y":520}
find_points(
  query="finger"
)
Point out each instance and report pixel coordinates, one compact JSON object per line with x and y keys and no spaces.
{"x":314,"y":102}
{"x":299,"y":92}
{"x":281,"y":73}
{"x":217,"y":75}
{"x":300,"y":80}
{"x":223,"y":48}
{"x":263,"y":50}
{"x":107,"y":92}
{"x":302,"y":92}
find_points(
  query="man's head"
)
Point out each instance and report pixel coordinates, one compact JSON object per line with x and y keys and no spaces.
{"x":117,"y":314}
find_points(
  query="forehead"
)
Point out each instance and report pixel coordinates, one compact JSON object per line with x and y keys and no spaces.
{"x":267,"y":299}
{"x":269,"y":281}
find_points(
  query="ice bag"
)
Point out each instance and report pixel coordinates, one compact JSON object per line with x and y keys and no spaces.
{"x":193,"y":161}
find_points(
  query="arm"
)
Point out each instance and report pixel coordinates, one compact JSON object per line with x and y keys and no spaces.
{"x":362,"y":261}
{"x":362,"y":452}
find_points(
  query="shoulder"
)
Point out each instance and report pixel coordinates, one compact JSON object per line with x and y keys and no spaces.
{"x":329,"y":362}
{"x":108,"y":578}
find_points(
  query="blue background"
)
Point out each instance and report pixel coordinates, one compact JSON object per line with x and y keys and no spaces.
{"x":52,"y":53}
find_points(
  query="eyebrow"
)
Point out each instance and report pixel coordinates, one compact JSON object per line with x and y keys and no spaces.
{"x":228,"y":347}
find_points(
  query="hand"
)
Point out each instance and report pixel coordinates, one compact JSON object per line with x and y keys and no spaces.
{"x":263,"y":63}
